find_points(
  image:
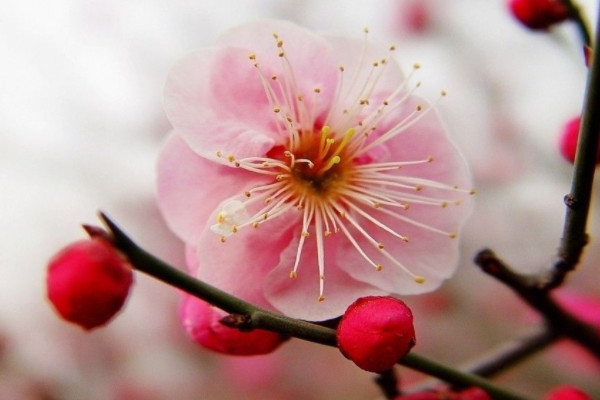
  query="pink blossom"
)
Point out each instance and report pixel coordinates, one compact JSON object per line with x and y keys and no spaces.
{"x":302,"y":171}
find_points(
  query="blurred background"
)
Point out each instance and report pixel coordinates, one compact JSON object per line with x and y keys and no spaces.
{"x":81,"y":123}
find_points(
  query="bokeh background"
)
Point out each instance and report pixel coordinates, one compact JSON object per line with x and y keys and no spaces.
{"x":81,"y":123}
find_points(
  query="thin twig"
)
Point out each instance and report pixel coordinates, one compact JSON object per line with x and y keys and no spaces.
{"x":501,"y":358}
{"x":578,"y":201}
{"x":388,"y":383}
{"x":559,"y":321}
{"x":258,"y":318}
{"x":577,"y":17}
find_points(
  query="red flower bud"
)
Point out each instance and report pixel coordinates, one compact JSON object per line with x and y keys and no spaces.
{"x":375,"y":332}
{"x":473,"y":393}
{"x":566,"y":393}
{"x":568,"y":140}
{"x":202,"y":323}
{"x":419,"y":396}
{"x":538,"y":14}
{"x":88,"y":282}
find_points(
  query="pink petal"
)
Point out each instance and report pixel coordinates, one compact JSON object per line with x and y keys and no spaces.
{"x":190,"y":187}
{"x":239,"y":265}
{"x":429,"y":254}
{"x":312,"y":57}
{"x":359,"y":55}
{"x":298,"y":297}
{"x":218,"y":110}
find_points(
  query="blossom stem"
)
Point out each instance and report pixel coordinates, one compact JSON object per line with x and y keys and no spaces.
{"x":388,"y":383}
{"x":559,"y":321}
{"x":577,"y":17}
{"x":578,"y":200}
{"x":145,"y":262}
{"x":502,"y":357}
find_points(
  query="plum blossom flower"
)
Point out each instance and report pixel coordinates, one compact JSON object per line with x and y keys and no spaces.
{"x":302,"y":172}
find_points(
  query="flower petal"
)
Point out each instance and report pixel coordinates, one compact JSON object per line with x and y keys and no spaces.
{"x":298,"y":297}
{"x":239,"y":265}
{"x":312,"y":58}
{"x":190,"y":187}
{"x":430,"y":254}
{"x":202,"y":102}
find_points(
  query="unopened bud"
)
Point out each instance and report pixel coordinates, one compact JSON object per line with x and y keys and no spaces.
{"x":472,"y":393}
{"x":88,"y":282}
{"x":538,"y":14}
{"x":569,"y":138}
{"x":375,"y":332}
{"x":566,"y":393}
{"x":201,"y":322}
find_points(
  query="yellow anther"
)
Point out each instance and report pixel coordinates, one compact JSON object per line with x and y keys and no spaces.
{"x":219,"y":154}
{"x":378,"y":267}
{"x":321,"y":298}
{"x":317,"y":90}
{"x":419,"y":107}
{"x":230,"y":158}
{"x":293,"y":274}
{"x":327,"y":233}
{"x":305,"y":234}
{"x":252,"y":56}
{"x":222,"y":239}
{"x":276,"y":109}
{"x":416,"y":66}
{"x":472,"y":191}
{"x":220,"y":218}
{"x":255,"y":224}
{"x":247,"y":193}
{"x":332,"y":161}
{"x":392,"y":48}
{"x":234,"y":229}
{"x":419,"y":279}
{"x":380,"y":246}
{"x":453,"y":235}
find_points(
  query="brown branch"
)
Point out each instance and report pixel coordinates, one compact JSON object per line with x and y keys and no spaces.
{"x":559,"y":321}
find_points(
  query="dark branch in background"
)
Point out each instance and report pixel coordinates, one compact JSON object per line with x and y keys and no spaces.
{"x":578,"y":201}
{"x":577,"y":17}
{"x":559,"y":321}
{"x":388,"y":383}
{"x":511,"y":353}
{"x":257,"y":318}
